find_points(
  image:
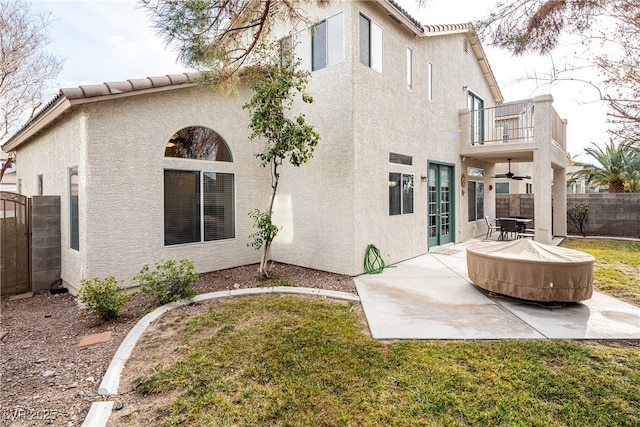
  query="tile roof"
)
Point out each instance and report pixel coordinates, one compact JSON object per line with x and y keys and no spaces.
{"x":407,"y":15}
{"x":131,"y":85}
{"x":448,"y":28}
{"x":83,"y":93}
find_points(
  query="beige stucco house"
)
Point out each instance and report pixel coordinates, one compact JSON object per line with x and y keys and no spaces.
{"x":407,"y":118}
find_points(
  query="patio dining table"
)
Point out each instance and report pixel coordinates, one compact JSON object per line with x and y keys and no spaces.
{"x":521,"y":225}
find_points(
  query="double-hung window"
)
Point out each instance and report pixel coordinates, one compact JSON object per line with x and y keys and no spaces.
{"x":327,"y":42}
{"x":400,"y":186}
{"x":370,"y":44}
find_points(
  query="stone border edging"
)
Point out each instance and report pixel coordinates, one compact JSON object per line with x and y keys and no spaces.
{"x":100,"y":411}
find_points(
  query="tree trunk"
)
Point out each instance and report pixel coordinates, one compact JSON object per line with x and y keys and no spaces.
{"x":265,"y":271}
{"x":616,"y":187}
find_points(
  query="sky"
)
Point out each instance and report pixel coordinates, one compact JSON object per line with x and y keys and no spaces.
{"x":113,"y":40}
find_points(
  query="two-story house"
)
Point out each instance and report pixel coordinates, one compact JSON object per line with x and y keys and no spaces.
{"x":158,"y":168}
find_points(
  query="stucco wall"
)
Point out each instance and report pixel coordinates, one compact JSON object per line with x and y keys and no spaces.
{"x":315,"y":206}
{"x":51,"y":154}
{"x":125,"y":195}
{"x":389,"y":117}
{"x":329,"y":209}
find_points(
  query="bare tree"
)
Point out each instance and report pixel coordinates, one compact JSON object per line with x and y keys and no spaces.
{"x":608,"y":32}
{"x":25,"y":63}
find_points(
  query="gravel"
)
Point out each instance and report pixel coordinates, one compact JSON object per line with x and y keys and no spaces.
{"x":46,"y":379}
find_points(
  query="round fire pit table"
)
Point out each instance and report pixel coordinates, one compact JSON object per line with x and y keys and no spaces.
{"x":532,"y":271}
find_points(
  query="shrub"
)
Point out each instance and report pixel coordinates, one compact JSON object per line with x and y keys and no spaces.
{"x":577,"y":216}
{"x":104,"y":297}
{"x":167,"y":281}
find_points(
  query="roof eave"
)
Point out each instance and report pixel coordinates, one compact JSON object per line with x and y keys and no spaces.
{"x":47,"y":117}
{"x":66,"y":101}
{"x":392,"y":9}
{"x":474,"y":42}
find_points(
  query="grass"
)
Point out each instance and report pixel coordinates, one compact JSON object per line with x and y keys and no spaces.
{"x":617,"y":266}
{"x":294,"y":361}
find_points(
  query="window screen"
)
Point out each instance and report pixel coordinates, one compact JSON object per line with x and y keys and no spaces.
{"x":370,"y":44}
{"x":74,"y":210}
{"x":327,"y":42}
{"x":218,"y":206}
{"x":476,"y":200}
{"x":400,"y":193}
{"x":198,"y":206}
{"x":400,"y":159}
{"x":319,"y":46}
{"x":181,"y":207}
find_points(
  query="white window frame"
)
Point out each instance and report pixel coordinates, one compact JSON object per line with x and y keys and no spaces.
{"x":333,"y":41}
{"x":409,"y":68}
{"x":429,"y":81}
{"x":74,"y":226}
{"x":298,"y":41}
{"x":375,"y":45}
{"x":201,"y":175}
{"x":393,"y":184}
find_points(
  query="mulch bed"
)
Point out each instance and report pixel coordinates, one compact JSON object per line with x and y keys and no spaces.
{"x":48,"y":380}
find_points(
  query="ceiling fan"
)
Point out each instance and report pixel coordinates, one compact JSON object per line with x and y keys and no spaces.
{"x":511,"y":175}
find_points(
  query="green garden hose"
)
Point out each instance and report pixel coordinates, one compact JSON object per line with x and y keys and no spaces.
{"x":375,"y":265}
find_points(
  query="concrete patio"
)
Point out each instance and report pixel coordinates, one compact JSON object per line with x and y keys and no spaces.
{"x":431,"y":297}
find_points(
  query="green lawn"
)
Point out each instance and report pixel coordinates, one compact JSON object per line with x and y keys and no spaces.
{"x":617,"y":266}
{"x":294,"y":361}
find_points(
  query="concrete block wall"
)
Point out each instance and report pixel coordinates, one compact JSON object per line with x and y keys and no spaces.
{"x":610,"y":214}
{"x":45,"y":242}
{"x":615,"y":215}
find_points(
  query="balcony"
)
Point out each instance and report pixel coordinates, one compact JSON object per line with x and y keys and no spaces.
{"x":527,"y":131}
{"x":513,"y":130}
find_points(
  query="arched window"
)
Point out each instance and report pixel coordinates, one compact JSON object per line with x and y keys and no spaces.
{"x":199,"y":143}
{"x":198,"y":204}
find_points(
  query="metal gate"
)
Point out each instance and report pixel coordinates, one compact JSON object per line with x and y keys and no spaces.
{"x":15,"y":242}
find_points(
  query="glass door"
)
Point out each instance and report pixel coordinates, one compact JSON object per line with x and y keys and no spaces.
{"x":440,"y":212}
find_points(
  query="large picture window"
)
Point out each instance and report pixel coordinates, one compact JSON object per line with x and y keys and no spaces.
{"x":370,"y":44}
{"x":198,"y":206}
{"x":400,"y":193}
{"x":327,"y":42}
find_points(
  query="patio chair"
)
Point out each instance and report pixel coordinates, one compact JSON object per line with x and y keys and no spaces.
{"x":491,"y":226}
{"x":508,"y":227}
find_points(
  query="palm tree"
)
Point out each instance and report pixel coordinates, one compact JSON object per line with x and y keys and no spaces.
{"x":632,"y":173}
{"x":617,"y":164}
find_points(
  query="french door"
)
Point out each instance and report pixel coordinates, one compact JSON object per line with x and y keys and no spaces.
{"x":440,"y":211}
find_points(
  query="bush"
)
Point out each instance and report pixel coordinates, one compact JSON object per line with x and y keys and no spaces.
{"x":103,"y":297}
{"x":167,"y":281}
{"x":577,"y":216}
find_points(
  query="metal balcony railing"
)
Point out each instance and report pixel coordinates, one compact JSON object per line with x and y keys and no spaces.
{"x":504,"y":123}
{"x":511,"y":122}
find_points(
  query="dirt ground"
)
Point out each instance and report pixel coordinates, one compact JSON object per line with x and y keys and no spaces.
{"x":46,"y":379}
